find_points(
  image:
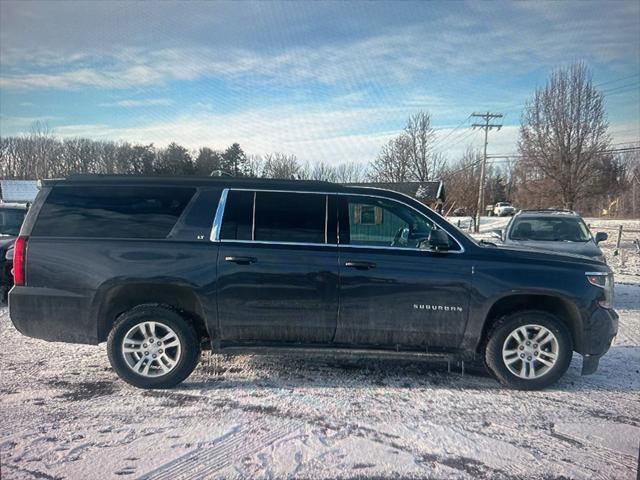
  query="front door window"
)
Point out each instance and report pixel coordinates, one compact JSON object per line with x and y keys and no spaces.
{"x":379,"y":222}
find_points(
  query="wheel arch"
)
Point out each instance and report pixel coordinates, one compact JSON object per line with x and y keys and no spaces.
{"x":111,"y":301}
{"x":558,"y":306}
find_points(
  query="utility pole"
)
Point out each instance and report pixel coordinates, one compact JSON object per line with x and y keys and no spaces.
{"x":487,"y":117}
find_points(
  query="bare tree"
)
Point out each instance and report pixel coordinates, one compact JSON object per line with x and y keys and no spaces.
{"x":563,"y":131}
{"x":461,"y":180}
{"x":254,"y":166}
{"x":424,"y":163}
{"x":411,"y":155}
{"x":322,"y":171}
{"x":351,"y":172}
{"x":392,"y":163}
{"x":281,"y":165}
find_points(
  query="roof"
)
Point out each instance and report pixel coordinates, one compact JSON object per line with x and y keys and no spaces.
{"x":427,"y":190}
{"x":232,"y":182}
{"x":190,"y":180}
{"x":18,"y":190}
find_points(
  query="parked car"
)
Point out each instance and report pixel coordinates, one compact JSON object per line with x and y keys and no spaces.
{"x":11,"y":217}
{"x":162,"y":267}
{"x":503,"y":209}
{"x":562,"y":231}
{"x":460,"y":212}
{"x":488,"y":209}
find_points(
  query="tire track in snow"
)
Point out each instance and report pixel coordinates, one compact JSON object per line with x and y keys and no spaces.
{"x":206,"y":462}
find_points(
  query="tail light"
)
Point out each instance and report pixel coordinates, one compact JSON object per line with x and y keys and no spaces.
{"x":19,"y":260}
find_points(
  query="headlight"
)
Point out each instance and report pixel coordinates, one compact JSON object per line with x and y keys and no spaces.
{"x":605,"y":281}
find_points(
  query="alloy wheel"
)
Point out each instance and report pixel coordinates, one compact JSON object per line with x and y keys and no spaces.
{"x":151,"y":349}
{"x":530,"y":351}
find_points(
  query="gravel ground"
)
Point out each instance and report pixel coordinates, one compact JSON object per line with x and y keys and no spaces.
{"x":64,"y":414}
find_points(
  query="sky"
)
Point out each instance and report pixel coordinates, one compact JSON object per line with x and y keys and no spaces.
{"x":326,"y":81}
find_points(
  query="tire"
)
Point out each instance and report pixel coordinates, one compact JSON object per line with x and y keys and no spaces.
{"x":508,"y":336}
{"x":174,"y":359}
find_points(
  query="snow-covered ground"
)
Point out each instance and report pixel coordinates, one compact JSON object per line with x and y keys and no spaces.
{"x":64,"y":414}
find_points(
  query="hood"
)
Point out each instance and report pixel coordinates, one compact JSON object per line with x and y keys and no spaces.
{"x":525,"y":254}
{"x":586,"y":249}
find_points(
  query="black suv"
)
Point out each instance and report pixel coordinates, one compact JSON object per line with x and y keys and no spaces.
{"x":163,"y":267}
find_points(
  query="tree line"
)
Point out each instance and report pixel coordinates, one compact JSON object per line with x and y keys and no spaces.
{"x":41,"y":155}
{"x":565,"y":157}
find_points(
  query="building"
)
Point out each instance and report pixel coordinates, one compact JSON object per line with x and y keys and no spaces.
{"x":18,"y":191}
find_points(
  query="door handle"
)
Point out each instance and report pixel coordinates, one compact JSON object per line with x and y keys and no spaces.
{"x":241,"y":260}
{"x":360,"y":265}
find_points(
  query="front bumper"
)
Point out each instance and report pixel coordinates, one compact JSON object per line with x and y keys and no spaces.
{"x":600,"y":330}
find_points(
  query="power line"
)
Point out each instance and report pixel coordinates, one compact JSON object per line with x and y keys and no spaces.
{"x":519,"y":106}
{"x":601,"y":152}
{"x":451,"y":132}
{"x":620,"y":89}
{"x":617,"y":80}
{"x":459,"y":139}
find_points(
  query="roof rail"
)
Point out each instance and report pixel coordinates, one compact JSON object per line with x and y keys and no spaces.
{"x":550,"y":210}
{"x":186,"y":178}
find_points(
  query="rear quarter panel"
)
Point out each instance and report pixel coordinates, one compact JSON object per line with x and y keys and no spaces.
{"x":69,"y":278}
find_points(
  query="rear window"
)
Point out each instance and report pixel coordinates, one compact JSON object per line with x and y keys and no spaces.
{"x":550,"y":229}
{"x":11,"y":220}
{"x":112,"y":212}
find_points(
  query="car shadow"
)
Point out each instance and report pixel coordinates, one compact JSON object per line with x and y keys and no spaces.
{"x":299,"y":371}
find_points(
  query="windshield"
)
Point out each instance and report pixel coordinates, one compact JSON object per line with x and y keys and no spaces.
{"x":11,"y":221}
{"x":545,"y":229}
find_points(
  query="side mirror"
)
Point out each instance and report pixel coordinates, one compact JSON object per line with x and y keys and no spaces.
{"x":601,"y":237}
{"x":497,"y":234}
{"x":438,"y":241}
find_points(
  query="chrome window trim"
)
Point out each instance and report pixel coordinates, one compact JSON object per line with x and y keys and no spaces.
{"x":253,"y":218}
{"x":217,"y":223}
{"x":267,"y":242}
{"x":326,"y":219}
{"x":217,"y":220}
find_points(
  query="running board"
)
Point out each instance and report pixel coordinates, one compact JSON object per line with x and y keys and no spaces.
{"x":451,"y":358}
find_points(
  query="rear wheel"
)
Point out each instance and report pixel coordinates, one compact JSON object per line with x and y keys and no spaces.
{"x":529,"y":350}
{"x":152,"y":346}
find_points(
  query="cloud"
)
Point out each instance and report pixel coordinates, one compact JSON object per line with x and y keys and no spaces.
{"x":21,"y":124}
{"x":338,"y":80}
{"x":132,"y":103}
{"x":522,"y":38}
{"x":334,"y":136}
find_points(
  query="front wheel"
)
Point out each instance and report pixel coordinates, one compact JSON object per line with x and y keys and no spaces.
{"x":152,"y":346}
{"x":529,"y":350}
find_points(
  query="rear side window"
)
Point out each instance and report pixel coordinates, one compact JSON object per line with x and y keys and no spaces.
{"x":290,"y":217}
{"x":112,"y":212}
{"x":275,"y":217}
